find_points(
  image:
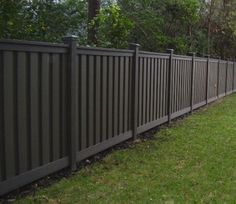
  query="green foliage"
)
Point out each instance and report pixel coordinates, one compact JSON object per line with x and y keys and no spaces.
{"x":12,"y":19}
{"x":162,"y":24}
{"x":43,"y":20}
{"x":114,"y":28}
{"x":184,"y":25}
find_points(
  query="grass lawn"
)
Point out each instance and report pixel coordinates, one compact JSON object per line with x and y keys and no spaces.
{"x":192,"y":161}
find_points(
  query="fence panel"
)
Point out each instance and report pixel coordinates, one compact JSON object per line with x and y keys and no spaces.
{"x":153,"y":90}
{"x":213,"y":80}
{"x":181,"y":85}
{"x":200,"y":74}
{"x":234,"y":78}
{"x":33,"y":110}
{"x":104,"y":99}
{"x":230,"y":77}
{"x":222,"y":78}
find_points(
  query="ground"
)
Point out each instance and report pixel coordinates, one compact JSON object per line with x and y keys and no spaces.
{"x":191,"y":161}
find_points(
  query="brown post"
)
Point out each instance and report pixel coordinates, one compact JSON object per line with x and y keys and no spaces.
{"x":192,"y":80}
{"x":73,"y":90}
{"x":171,"y":52}
{"x":233,"y":75}
{"x":226,"y":78}
{"x":134,"y":92}
{"x":218,"y":78}
{"x":207,"y":78}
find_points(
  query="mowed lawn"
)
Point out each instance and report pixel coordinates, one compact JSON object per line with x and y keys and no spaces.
{"x":191,"y":161}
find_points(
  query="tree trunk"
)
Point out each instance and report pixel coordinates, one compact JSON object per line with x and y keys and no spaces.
{"x":93,"y":10}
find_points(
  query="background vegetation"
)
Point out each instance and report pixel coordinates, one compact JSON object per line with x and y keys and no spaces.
{"x":203,"y":26}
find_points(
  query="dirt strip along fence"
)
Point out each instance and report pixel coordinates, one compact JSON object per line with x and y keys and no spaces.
{"x":61,"y":103}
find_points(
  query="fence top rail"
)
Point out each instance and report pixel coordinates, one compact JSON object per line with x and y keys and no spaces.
{"x":104,"y":51}
{"x":201,"y":59}
{"x":38,"y":43}
{"x":214,"y":60}
{"x":32,"y":46}
{"x":182,"y":57}
{"x":47,"y":47}
{"x":223,"y":61}
{"x":153,"y":54}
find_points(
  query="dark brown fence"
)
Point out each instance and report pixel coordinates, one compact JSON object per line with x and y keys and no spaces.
{"x":61,"y":104}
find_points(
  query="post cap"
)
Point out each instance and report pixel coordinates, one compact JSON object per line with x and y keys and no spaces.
{"x":170,"y":51}
{"x":192,"y":53}
{"x":69,"y":38}
{"x":207,"y":56}
{"x":134,"y":45}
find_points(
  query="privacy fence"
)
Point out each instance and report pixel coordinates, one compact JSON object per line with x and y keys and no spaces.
{"x":60,"y":103}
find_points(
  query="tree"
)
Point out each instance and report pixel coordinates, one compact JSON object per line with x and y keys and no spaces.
{"x":203,"y":26}
{"x":44,"y":20}
{"x":93,"y":11}
{"x":162,"y":24}
{"x":114,"y":28}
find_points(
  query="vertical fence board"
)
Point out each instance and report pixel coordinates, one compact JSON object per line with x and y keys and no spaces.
{"x":115,"y":96}
{"x":234,"y":75}
{"x":23,"y":142}
{"x":34,"y":109}
{"x":45,"y":109}
{"x":173,"y":78}
{"x":144,"y":90}
{"x":140,"y":112}
{"x":148,"y":91}
{"x":130,"y":93}
{"x":178,"y":88}
{"x":110,"y":97}
{"x":159,"y":89}
{"x":126,"y":94}
{"x":121,"y":95}
{"x":84,"y":105}
{"x":151,"y":89}
{"x":104,"y":97}
{"x":186,"y":85}
{"x":181,"y":89}
{"x":181,"y":70}
{"x":2,"y":142}
{"x":64,"y":106}
{"x":98,"y":89}
{"x":91,"y":93}
{"x":183,"y":77}
{"x":154,"y":89}
{"x":56,"y":106}
{"x":164,"y":68}
{"x":9,"y":114}
{"x":165,"y":88}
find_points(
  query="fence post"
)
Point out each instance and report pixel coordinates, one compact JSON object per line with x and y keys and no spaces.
{"x":193,"y":54}
{"x":207,"y":78}
{"x":134,"y":88}
{"x":72,"y":99}
{"x":226,"y":77}
{"x":233,"y":75}
{"x":218,"y":78}
{"x":171,"y":52}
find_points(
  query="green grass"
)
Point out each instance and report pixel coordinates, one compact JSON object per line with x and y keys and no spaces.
{"x":193,"y":161}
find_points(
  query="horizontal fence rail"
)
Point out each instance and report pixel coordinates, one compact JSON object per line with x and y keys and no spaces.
{"x":61,"y":103}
